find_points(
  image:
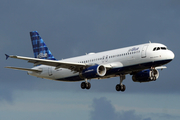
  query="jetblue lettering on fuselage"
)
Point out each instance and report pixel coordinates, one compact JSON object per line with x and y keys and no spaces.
{"x":41,"y":55}
{"x":133,"y":49}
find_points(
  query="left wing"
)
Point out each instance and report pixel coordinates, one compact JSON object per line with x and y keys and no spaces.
{"x":58,"y":64}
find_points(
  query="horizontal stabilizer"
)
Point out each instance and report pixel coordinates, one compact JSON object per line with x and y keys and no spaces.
{"x":7,"y":56}
{"x":25,"y":69}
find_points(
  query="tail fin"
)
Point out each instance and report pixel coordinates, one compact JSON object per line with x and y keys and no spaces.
{"x":40,"y":49}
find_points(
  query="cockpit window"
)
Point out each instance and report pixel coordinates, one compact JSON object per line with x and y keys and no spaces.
{"x":159,"y":48}
{"x":163,"y":48}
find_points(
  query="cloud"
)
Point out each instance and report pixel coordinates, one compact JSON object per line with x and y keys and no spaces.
{"x":6,"y":95}
{"x":166,"y":116}
{"x":104,"y":110}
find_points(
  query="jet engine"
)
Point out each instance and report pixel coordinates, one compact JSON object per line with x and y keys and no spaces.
{"x":93,"y":72}
{"x":146,"y":75}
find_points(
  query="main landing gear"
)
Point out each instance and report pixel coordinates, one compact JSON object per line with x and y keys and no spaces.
{"x":121,"y":87}
{"x":86,"y":85}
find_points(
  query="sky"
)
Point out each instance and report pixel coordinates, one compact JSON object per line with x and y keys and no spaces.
{"x":73,"y":28}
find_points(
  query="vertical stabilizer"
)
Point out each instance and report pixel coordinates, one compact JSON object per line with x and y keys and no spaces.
{"x":40,"y":49}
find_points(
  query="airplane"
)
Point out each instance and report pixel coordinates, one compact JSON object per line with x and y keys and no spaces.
{"x":141,"y":61}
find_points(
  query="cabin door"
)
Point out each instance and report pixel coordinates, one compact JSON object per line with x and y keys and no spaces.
{"x":143,"y":53}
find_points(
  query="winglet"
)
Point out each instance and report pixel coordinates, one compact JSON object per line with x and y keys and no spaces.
{"x":7,"y":56}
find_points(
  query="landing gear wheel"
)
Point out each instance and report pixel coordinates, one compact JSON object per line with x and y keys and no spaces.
{"x":118,"y":87}
{"x":123,"y":88}
{"x":88,"y":85}
{"x":83,"y":85}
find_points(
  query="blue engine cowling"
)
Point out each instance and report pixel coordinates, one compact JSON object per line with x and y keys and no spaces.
{"x":93,"y":72}
{"x":146,"y":76}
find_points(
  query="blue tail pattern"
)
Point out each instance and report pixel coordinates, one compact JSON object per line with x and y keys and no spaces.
{"x":40,"y":49}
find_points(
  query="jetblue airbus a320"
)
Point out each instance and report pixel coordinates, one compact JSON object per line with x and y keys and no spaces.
{"x":140,"y":61}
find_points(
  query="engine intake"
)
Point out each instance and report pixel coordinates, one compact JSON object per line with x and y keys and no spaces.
{"x":146,"y":76}
{"x":93,"y":72}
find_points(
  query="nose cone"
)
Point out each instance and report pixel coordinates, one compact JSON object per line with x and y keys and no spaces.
{"x":170,"y":55}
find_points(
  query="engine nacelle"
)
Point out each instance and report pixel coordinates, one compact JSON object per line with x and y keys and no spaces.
{"x":93,"y":72}
{"x":146,"y":76}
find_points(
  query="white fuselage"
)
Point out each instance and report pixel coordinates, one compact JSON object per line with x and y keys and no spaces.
{"x":124,"y":60}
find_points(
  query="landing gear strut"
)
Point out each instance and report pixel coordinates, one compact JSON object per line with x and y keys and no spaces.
{"x":86,"y":85}
{"x":121,"y":87}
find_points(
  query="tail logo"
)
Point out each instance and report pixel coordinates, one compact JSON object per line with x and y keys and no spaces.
{"x":41,"y":55}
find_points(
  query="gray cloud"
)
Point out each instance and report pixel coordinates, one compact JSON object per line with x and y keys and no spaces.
{"x":6,"y":95}
{"x":104,"y":110}
{"x":166,"y":116}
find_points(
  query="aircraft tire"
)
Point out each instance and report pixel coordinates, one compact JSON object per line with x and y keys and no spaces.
{"x":123,"y":88}
{"x":88,"y":86}
{"x":83,"y":85}
{"x":118,"y":87}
